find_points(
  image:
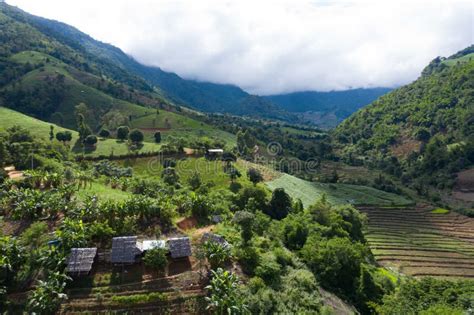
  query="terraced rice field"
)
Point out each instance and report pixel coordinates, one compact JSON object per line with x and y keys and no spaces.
{"x":418,"y":242}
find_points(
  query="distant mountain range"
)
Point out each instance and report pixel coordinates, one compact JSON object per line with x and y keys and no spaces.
{"x":327,"y":109}
{"x":25,"y":32}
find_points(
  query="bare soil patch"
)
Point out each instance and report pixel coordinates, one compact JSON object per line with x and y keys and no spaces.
{"x":464,"y":188}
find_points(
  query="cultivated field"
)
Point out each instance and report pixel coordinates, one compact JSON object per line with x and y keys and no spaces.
{"x":136,"y":289}
{"x":310,"y":192}
{"x":422,"y":241}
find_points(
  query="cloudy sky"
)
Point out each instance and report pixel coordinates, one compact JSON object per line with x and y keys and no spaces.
{"x":276,"y":46}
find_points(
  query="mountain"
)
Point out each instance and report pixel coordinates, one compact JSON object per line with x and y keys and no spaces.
{"x":422,"y":132}
{"x":326,"y":109}
{"x":82,"y":51}
{"x":46,"y":72}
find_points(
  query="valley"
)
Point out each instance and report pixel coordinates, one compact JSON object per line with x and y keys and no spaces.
{"x":126,"y":189}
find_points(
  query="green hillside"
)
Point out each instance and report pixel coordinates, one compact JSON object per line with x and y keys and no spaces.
{"x":22,"y":31}
{"x":310,"y":192}
{"x":68,"y":90}
{"x":10,"y":118}
{"x":422,"y":132}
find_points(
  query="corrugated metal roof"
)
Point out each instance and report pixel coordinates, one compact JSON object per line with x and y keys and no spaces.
{"x":211,"y":237}
{"x":179,"y":247}
{"x":81,"y":259}
{"x":124,"y":249}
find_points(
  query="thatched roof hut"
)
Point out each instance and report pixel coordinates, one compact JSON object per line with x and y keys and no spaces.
{"x":211,"y":237}
{"x":179,"y":247}
{"x":124,"y":250}
{"x":80,"y":260}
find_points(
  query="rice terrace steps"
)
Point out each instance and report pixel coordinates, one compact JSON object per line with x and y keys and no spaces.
{"x":420,"y":241}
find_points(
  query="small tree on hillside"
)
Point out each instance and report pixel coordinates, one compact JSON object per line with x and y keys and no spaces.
{"x":157,"y":137}
{"x":51,"y":133}
{"x":245,"y":220}
{"x":90,"y":140}
{"x":64,"y":136}
{"x":195,"y":181}
{"x":233,"y":173}
{"x":280,"y":204}
{"x":122,"y":132}
{"x":254,"y":175}
{"x":170,"y":176}
{"x":155,"y":258}
{"x":82,"y":128}
{"x":136,"y":136}
{"x":104,"y":133}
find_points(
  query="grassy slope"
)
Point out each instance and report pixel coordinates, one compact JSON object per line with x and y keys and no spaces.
{"x":309,"y":192}
{"x":9,"y":118}
{"x":103,"y":192}
{"x":465,"y":58}
{"x":211,"y":172}
{"x":100,"y":103}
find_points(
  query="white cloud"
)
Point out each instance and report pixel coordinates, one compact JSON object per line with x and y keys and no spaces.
{"x":274,"y":46}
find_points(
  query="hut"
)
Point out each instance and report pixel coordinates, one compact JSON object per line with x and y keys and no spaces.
{"x":80,"y":261}
{"x":211,"y":237}
{"x":214,"y":153}
{"x":179,"y":247}
{"x":125,"y":249}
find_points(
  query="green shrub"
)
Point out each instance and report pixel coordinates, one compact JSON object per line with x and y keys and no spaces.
{"x":156,"y":258}
{"x":139,"y":298}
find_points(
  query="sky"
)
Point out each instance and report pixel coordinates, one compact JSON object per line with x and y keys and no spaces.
{"x":276,"y":46}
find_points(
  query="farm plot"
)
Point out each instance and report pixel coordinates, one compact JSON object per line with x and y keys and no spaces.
{"x":134,"y":289}
{"x":421,"y":242}
{"x":310,"y":192}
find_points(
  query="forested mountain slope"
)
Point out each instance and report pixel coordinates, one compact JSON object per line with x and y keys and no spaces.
{"x":423,"y":131}
{"x":327,"y":109}
{"x":22,"y":31}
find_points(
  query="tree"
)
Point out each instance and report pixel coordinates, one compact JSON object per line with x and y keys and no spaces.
{"x":335,"y":262}
{"x":82,"y":128}
{"x":195,"y":181}
{"x":224,"y":297}
{"x":155,"y":258}
{"x":233,"y":173}
{"x":64,"y":136}
{"x":280,"y":204}
{"x":122,"y":132}
{"x":170,"y":176}
{"x":104,"y":133}
{"x":72,"y":233}
{"x":245,"y":220}
{"x":90,"y":140}
{"x":51,"y":133}
{"x":254,"y":175}
{"x":136,"y":136}
{"x":157,"y":137}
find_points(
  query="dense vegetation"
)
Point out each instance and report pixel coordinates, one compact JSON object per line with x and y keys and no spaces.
{"x":286,"y":251}
{"x":327,"y":109}
{"x":422,"y":133}
{"x":288,"y":242}
{"x":23,"y":32}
